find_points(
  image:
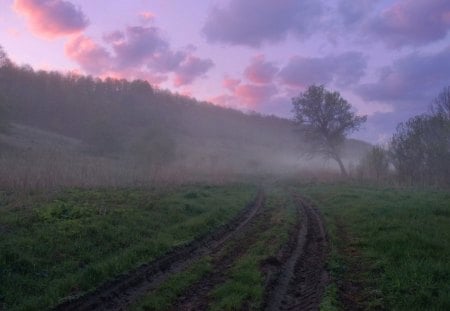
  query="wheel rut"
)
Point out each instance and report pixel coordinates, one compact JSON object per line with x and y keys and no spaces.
{"x":119,"y":293}
{"x":198,"y":296}
{"x":302,"y":278}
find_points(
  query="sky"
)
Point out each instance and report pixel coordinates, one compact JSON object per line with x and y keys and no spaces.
{"x":388,"y":58}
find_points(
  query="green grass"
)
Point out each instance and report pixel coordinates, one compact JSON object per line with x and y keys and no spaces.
{"x":54,"y":246}
{"x":245,"y":286}
{"x":402,"y":238}
{"x":166,"y":294}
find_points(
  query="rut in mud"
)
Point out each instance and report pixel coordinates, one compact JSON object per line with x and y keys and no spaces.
{"x":198,"y":295}
{"x":302,"y":278}
{"x":126,"y":289}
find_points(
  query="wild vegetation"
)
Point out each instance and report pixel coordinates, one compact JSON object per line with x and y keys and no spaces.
{"x":59,"y":245}
{"x":389,"y":247}
{"x":419,"y":151}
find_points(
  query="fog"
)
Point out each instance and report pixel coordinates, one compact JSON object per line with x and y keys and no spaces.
{"x":70,"y":130}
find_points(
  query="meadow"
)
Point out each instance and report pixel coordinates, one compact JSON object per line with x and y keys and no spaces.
{"x":60,"y":244}
{"x":388,"y":247}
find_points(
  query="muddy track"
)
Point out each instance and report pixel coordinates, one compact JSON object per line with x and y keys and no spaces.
{"x":198,"y":295}
{"x":302,"y":277}
{"x":119,"y":293}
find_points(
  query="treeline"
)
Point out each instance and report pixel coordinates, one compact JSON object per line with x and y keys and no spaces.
{"x":419,"y":151}
{"x":151,"y":128}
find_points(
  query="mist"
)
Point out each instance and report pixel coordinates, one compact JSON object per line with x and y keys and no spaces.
{"x":73,"y":130}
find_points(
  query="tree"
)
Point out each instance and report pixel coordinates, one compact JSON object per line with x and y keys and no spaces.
{"x":441,"y":104}
{"x":420,"y":150}
{"x":375,"y":164}
{"x":325,"y":119}
{"x":5,"y":63}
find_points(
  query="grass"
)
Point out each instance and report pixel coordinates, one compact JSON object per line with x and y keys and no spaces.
{"x":395,"y":242}
{"x":63,"y":244}
{"x":166,"y":294}
{"x":245,"y":285}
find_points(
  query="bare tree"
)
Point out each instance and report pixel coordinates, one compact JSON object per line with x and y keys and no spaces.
{"x":325,"y":119}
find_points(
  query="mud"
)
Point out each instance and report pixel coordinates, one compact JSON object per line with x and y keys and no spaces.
{"x":119,"y":293}
{"x":301,"y":278}
{"x":198,"y":295}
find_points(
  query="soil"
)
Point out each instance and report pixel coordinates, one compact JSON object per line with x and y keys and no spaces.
{"x":301,"y":278}
{"x":295,"y":279}
{"x":119,"y":293}
{"x":198,"y":295}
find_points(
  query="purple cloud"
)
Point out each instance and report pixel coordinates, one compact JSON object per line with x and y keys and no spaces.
{"x":416,"y":77}
{"x":412,"y":22}
{"x":253,"y":22}
{"x":343,"y":70}
{"x":167,"y":60}
{"x":260,"y":71}
{"x":140,"y":43}
{"x":353,"y":12}
{"x":52,"y":18}
{"x":138,"y":52}
{"x":191,"y":68}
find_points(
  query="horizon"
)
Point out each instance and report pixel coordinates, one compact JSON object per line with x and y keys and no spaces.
{"x":387,"y":58}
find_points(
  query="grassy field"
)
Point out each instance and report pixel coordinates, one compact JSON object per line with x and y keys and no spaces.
{"x":244,"y":281}
{"x":390,"y":248}
{"x":61,"y":244}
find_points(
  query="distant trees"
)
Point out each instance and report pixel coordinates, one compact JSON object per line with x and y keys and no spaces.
{"x":325,"y":119}
{"x":441,"y":104}
{"x":420,"y":148}
{"x":5,"y":63}
{"x":375,"y":164}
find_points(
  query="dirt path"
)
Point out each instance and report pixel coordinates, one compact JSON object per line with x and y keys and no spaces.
{"x":121,"y":292}
{"x":302,"y":277}
{"x":198,"y":295}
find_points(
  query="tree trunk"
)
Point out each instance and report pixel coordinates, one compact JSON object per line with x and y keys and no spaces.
{"x":341,"y":165}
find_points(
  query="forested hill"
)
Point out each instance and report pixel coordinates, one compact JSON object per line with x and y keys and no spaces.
{"x":150,"y":127}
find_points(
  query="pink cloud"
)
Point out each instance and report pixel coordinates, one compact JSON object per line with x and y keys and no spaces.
{"x":260,"y":71}
{"x":137,"y":52}
{"x":252,"y":95}
{"x":146,"y":16}
{"x":230,"y":83}
{"x":92,"y":57}
{"x":52,"y":18}
{"x":224,"y":100}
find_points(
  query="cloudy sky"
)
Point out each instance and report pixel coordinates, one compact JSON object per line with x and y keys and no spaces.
{"x":389,"y":58}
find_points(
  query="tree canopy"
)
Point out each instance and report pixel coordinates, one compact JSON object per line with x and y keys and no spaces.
{"x":325,"y":119}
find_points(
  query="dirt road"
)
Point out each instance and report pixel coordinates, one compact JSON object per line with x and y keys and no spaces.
{"x":302,"y":278}
{"x":126,"y":289}
{"x":295,"y":277}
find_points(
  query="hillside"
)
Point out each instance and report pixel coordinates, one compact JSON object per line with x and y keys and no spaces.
{"x":78,"y":130}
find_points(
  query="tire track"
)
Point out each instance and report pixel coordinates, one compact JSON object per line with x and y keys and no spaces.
{"x":302,"y":278}
{"x":198,"y":296}
{"x":127,"y":288}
